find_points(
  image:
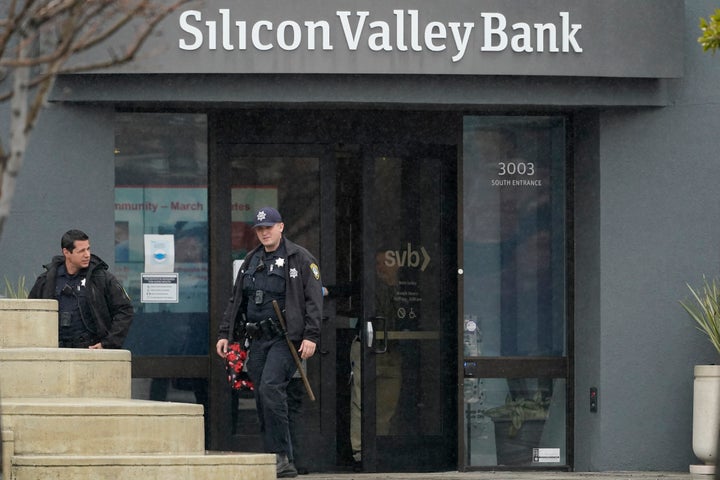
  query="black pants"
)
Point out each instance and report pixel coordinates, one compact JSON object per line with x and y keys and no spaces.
{"x":271,"y":366}
{"x":295,"y":393}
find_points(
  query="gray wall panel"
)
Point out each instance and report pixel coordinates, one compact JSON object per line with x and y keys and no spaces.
{"x":66,"y":182}
{"x":658,"y":196}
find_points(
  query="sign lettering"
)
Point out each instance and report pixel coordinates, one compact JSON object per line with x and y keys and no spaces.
{"x":408,"y":258}
{"x":408,"y":32}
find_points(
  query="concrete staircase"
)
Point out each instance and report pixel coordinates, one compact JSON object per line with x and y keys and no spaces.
{"x":68,"y":413}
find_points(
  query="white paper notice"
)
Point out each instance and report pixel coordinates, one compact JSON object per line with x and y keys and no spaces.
{"x":546,"y":455}
{"x":159,"y":288}
{"x":159,"y":253}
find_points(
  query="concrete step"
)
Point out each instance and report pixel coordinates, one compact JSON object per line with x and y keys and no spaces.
{"x":204,"y":466}
{"x":102,"y":426}
{"x":67,"y":413}
{"x":28,"y":323}
{"x":65,"y":372}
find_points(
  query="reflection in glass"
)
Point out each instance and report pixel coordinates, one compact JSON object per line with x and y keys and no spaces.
{"x":514,"y":233}
{"x":160,"y":188}
{"x":407,"y":239}
{"x":515,"y":422}
{"x":289,"y":183}
{"x":514,"y":286}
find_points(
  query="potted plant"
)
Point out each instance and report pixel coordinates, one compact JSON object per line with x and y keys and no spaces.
{"x":518,"y":427}
{"x":13,"y":291}
{"x":704,"y":308}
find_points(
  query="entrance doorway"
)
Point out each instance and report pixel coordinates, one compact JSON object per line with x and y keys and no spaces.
{"x":381,"y":220}
{"x":396,"y":330}
{"x":472,"y":258}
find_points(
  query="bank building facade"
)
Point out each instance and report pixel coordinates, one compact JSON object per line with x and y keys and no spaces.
{"x":506,"y":200}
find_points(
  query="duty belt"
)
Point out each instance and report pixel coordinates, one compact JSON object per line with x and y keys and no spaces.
{"x":268,"y":328}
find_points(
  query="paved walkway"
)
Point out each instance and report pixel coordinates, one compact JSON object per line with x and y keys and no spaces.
{"x":536,"y":475}
{"x":501,"y":475}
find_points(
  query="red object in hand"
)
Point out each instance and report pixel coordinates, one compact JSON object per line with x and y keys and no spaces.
{"x":234,"y":363}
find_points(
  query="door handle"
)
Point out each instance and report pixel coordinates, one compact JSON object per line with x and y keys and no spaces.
{"x":369,"y":333}
{"x":381,"y":346}
{"x":324,"y":319}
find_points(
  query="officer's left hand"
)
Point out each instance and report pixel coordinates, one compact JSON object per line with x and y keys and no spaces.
{"x":97,"y":346}
{"x":307,"y":349}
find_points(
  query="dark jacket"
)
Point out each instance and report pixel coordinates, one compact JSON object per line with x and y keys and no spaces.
{"x":110,"y":305}
{"x":303,"y":296}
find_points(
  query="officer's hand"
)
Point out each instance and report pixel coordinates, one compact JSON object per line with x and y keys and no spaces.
{"x":221,"y":347}
{"x":307,"y":349}
{"x":97,"y":346}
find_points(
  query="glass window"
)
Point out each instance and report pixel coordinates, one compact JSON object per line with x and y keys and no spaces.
{"x":515,"y":422}
{"x":514,"y":234}
{"x":514,"y":286}
{"x":161,"y":188}
{"x":290,"y":182}
{"x":408,"y":295}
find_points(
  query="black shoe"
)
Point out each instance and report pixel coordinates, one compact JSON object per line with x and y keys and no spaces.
{"x":285,"y":468}
{"x":357,"y":466}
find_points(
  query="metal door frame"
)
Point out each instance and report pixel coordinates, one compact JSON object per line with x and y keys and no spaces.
{"x":371,"y":454}
{"x":321,"y":440}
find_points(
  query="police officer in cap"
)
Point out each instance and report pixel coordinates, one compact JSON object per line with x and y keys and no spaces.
{"x":280,"y":270}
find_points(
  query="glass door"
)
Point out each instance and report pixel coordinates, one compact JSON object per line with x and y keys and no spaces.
{"x":514,"y":267}
{"x":296,"y":179}
{"x":407,"y":331}
{"x":383,"y":222}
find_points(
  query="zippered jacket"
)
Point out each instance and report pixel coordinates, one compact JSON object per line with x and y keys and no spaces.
{"x":303,"y":296}
{"x":109,"y":304}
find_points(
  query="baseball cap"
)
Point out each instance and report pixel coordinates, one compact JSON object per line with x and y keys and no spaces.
{"x":267,"y":217}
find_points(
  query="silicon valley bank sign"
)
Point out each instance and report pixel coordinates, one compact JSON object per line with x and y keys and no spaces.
{"x":612,"y":38}
{"x":379,"y":35}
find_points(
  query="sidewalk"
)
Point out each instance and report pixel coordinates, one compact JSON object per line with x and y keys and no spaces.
{"x":502,"y":475}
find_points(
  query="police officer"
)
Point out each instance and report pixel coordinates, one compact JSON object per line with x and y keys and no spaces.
{"x":279,"y":270}
{"x":94,"y":310}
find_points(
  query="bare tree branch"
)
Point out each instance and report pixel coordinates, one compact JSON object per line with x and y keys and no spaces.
{"x":152,"y":15}
{"x":41,"y":39}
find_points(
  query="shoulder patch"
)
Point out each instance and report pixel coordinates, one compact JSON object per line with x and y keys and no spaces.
{"x":315,"y":270}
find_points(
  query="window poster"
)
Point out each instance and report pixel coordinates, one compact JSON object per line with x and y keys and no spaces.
{"x":181,"y":212}
{"x":178,"y":213}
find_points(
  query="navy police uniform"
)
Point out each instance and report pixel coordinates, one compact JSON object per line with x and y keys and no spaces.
{"x":290,"y":276}
{"x":92,"y":304}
